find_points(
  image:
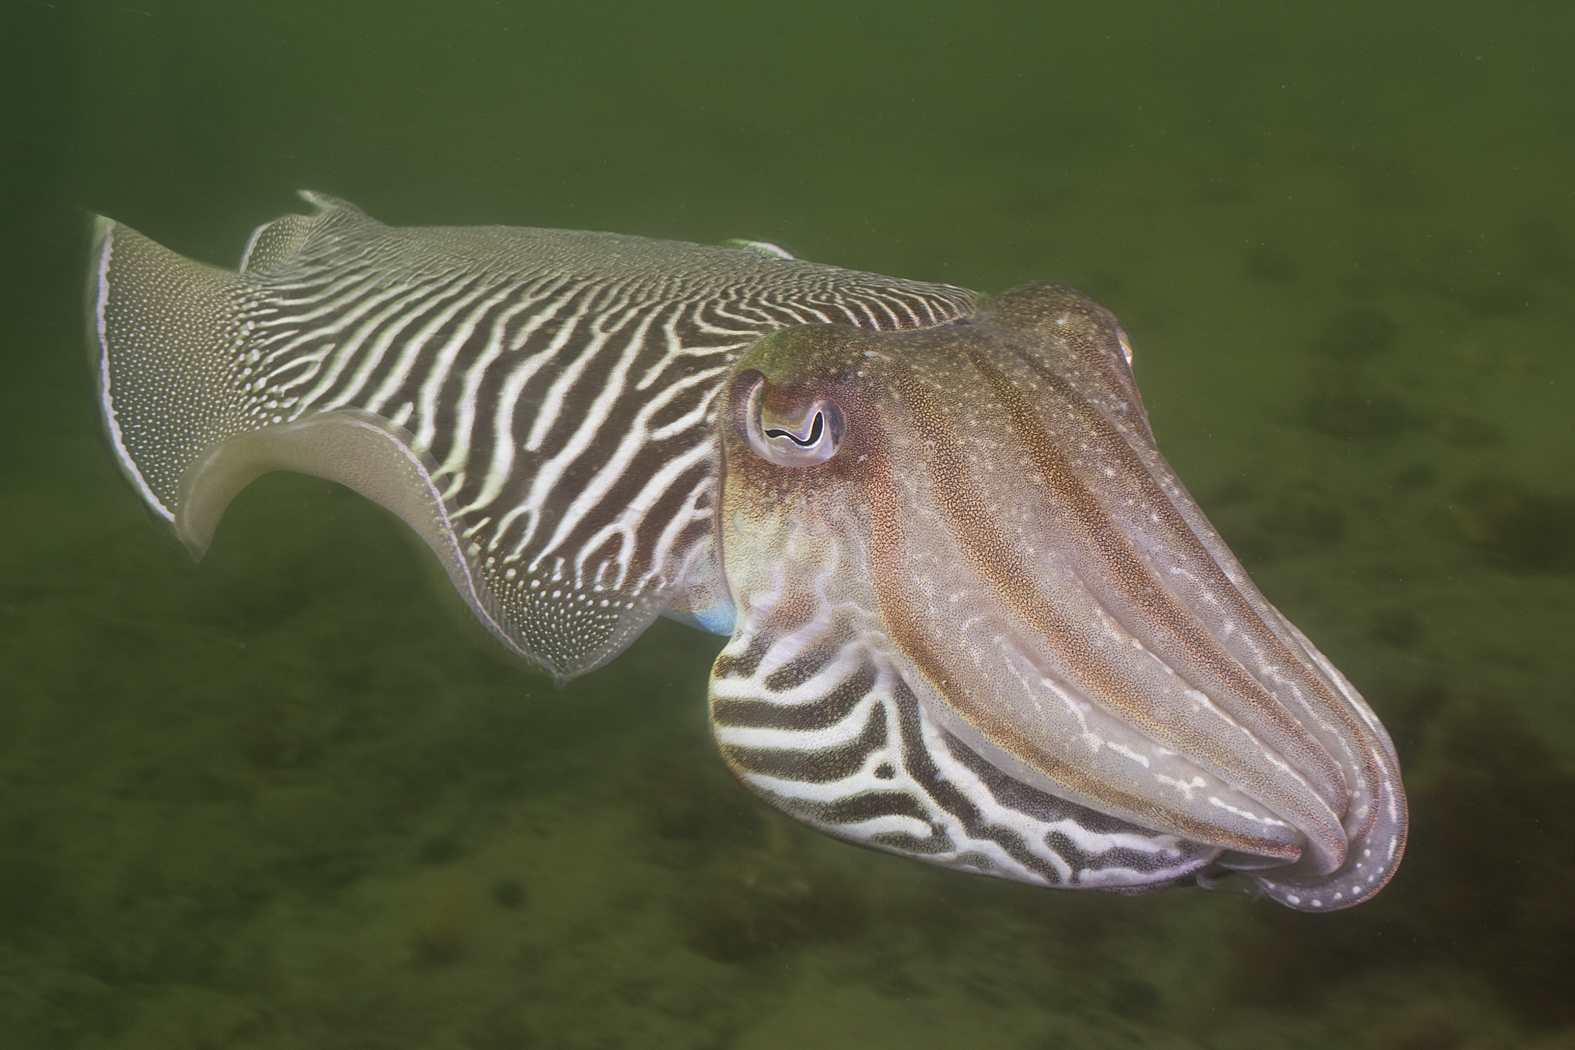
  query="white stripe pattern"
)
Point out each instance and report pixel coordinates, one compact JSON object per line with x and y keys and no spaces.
{"x":562,"y":385}
{"x":846,"y":747}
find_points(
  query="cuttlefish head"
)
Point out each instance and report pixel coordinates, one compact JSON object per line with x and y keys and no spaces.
{"x":982,"y":623}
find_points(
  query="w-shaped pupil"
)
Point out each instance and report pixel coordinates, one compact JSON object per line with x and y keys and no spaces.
{"x":812,"y":439}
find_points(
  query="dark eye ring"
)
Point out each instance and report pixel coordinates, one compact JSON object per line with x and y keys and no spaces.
{"x":798,"y":439}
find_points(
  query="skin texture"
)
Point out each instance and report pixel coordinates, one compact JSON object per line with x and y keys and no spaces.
{"x":1008,"y":543}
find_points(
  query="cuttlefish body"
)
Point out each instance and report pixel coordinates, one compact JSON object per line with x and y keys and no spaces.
{"x":974,"y":617}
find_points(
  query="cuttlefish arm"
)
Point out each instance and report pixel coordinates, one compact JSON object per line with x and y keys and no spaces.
{"x":982,"y":623}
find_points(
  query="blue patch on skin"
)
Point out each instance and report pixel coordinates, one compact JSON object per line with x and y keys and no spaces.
{"x":718,"y":619}
{"x":721,"y":618}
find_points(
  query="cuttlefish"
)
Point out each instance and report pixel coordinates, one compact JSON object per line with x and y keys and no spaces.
{"x":973,"y":616}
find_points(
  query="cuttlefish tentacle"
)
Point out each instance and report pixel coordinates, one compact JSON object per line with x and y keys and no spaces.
{"x":1106,"y":673}
{"x":1245,"y":646}
{"x":975,"y":617}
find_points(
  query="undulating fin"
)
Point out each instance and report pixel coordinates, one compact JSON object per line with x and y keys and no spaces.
{"x":175,"y":367}
{"x":361,"y":451}
{"x":765,"y":248}
{"x":276,"y":243}
{"x":176,"y":364}
{"x":166,"y":341}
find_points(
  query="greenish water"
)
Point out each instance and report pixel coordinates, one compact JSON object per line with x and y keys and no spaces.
{"x":293,"y":798}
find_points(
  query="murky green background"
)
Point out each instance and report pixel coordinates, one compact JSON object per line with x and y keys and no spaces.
{"x":293,"y":798}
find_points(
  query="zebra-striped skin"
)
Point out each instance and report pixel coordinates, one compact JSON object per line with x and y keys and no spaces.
{"x":818,"y":721}
{"x":561,"y":388}
{"x":975,"y":618}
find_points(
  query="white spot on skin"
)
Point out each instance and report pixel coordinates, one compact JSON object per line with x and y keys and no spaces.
{"x":1122,"y":749}
{"x":1246,"y":814}
{"x":1185,"y":787}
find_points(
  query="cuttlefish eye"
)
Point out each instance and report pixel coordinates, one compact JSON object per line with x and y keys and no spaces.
{"x":798,"y":434}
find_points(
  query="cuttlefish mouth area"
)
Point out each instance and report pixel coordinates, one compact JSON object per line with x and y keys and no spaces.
{"x":1057,"y":602}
